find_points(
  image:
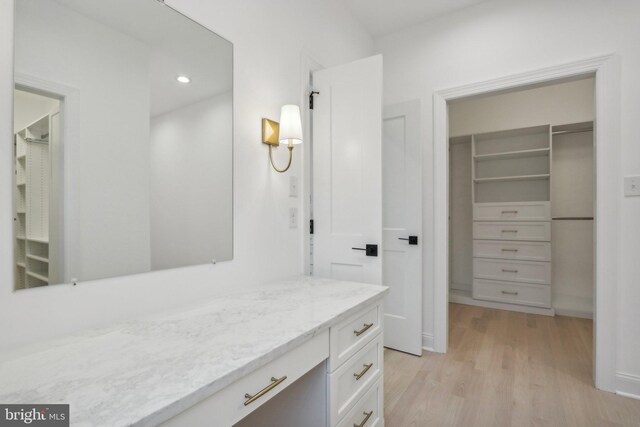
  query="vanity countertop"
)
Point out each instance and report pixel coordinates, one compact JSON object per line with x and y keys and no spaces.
{"x":146,"y":371}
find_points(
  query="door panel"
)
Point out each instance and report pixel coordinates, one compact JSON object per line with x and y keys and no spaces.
{"x":402,"y":217}
{"x":347,"y":182}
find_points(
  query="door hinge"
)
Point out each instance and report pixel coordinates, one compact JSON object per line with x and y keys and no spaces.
{"x":311,"y":99}
{"x":310,"y":226}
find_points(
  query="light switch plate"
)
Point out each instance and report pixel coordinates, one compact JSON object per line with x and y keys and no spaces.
{"x":293,"y":217}
{"x":631,"y":186}
{"x":293,"y":186}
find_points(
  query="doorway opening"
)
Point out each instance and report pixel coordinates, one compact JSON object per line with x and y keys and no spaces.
{"x":606,"y":130}
{"x":38,"y":182}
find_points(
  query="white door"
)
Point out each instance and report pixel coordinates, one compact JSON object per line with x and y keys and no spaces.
{"x":347,"y":171}
{"x":402,"y":225}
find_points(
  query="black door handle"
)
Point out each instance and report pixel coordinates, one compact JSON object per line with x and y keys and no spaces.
{"x":413,"y":240}
{"x":370,"y":250}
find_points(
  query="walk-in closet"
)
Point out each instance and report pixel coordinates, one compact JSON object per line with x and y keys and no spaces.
{"x":522,"y":190}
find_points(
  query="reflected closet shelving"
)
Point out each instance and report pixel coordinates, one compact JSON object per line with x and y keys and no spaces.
{"x":31,"y":207}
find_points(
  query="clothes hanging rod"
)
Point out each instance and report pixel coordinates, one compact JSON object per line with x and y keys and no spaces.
{"x":36,"y":141}
{"x":562,"y":132}
{"x":573,"y":218}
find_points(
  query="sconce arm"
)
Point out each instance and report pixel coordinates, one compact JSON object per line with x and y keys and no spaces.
{"x":288,"y":164}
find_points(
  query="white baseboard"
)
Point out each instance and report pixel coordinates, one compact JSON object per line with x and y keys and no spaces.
{"x":427,"y":342}
{"x":628,"y":385}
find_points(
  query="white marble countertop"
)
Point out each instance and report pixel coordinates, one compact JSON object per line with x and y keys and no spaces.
{"x":146,"y":371}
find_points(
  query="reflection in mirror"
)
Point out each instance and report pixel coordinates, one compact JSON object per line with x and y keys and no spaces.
{"x":123,"y":140}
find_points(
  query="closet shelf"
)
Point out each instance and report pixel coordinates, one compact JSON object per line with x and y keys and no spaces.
{"x":21,"y":212}
{"x":21,"y":184}
{"x":538,"y":152}
{"x":22,"y":157}
{"x":33,"y":239}
{"x":38,"y":276}
{"x":512,"y":178}
{"x":21,"y":238}
{"x":21,"y":264}
{"x":38,"y":258}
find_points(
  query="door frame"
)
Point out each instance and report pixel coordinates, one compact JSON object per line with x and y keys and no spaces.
{"x":607,"y":130}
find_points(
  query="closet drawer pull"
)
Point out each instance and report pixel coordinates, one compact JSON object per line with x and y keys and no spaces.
{"x":509,"y":293}
{"x":509,"y":250}
{"x":509,"y":231}
{"x":364,"y":371}
{"x":275,"y":382}
{"x":509,"y":271}
{"x":513,"y":212}
{"x":363,"y":330}
{"x":366,"y":418}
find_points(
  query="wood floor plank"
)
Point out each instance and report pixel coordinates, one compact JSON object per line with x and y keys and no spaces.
{"x":504,"y":369}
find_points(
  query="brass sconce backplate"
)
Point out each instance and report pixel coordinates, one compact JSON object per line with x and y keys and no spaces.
{"x":270,"y":132}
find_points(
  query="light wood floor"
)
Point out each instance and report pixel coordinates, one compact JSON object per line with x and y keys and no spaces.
{"x":503,"y":369}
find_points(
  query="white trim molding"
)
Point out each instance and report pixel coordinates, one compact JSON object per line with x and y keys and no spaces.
{"x":606,"y":69}
{"x":628,"y":385}
{"x":427,"y":342}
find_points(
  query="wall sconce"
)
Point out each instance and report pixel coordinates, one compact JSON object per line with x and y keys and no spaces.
{"x":288,"y":131}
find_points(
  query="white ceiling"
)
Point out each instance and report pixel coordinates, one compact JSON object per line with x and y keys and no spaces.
{"x":386,"y":16}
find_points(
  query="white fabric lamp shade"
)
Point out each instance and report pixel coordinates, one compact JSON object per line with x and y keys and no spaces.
{"x":290,"y":125}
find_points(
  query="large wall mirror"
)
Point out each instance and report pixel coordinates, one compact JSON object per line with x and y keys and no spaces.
{"x":123,"y":141}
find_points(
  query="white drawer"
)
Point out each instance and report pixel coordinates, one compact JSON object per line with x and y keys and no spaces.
{"x":526,"y":251}
{"x":368,"y":412}
{"x":228,"y":406}
{"x":524,"y":211}
{"x":513,"y":271}
{"x":350,"y":335}
{"x":536,"y":231}
{"x":512,"y":293}
{"x":351,"y":380}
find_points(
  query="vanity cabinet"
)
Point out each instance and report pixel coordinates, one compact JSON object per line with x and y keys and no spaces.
{"x":352,"y":351}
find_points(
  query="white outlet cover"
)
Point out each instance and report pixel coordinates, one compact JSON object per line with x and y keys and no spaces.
{"x":293,"y":186}
{"x":632,"y":186}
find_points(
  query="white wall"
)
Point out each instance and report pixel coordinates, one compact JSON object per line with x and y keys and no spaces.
{"x":499,"y":38}
{"x":191,"y":184}
{"x":267,"y":56}
{"x":30,"y":107}
{"x":568,"y":102}
{"x":108,"y":219}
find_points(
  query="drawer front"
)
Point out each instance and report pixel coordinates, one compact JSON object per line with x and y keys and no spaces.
{"x":351,"y":381}
{"x":227,"y":406}
{"x":525,"y":251}
{"x":368,"y":412}
{"x":535,"y":231}
{"x":352,"y":334}
{"x":513,"y":271}
{"x":512,"y":293}
{"x":526,"y":211}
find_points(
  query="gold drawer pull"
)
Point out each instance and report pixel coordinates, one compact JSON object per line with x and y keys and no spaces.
{"x":509,"y":250}
{"x":363,"y":330}
{"x":275,"y":382}
{"x":366,"y":418}
{"x":364,"y":371}
{"x":510,"y":271}
{"x":509,"y":293}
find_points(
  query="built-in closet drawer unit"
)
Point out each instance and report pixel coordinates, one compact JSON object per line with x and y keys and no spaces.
{"x":524,"y":211}
{"x":367,"y":412}
{"x":354,"y":378}
{"x":503,"y":249}
{"x":349,"y":336}
{"x":231,"y":404}
{"x":514,"y":271}
{"x":512,"y":293}
{"x":533,"y":231}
